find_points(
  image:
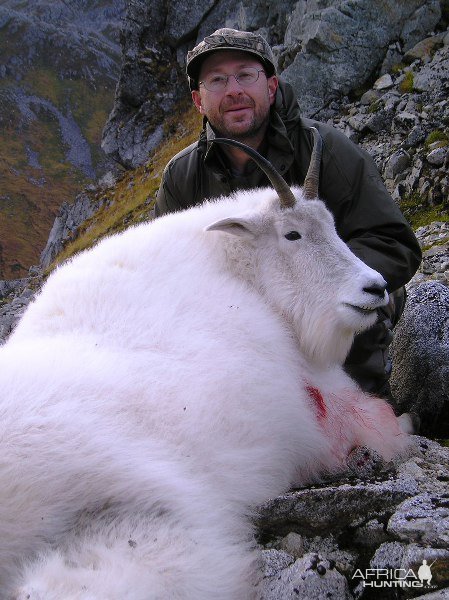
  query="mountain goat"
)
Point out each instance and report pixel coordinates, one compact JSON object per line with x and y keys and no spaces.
{"x":170,"y":379}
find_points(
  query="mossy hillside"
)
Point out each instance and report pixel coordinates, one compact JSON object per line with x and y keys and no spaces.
{"x":419,"y":217}
{"x":33,"y":194}
{"x":419,"y":213}
{"x":89,"y":105}
{"x":132,"y":199}
{"x":30,"y":196}
{"x":51,"y":69}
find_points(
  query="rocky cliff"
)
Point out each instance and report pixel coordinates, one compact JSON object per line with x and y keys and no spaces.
{"x":326,"y":49}
{"x":59,"y":63}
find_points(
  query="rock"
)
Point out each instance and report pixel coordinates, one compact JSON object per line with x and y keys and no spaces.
{"x":69,"y":218}
{"x":383,"y":83}
{"x":307,"y":578}
{"x":293,"y":544}
{"x":396,"y":536}
{"x":379,"y":121}
{"x":437,"y":157}
{"x":424,"y":49}
{"x":108,"y":181}
{"x":274,"y":561}
{"x":388,"y":556}
{"x":421,"y":21}
{"x":424,"y":519}
{"x":416,"y":137}
{"x":428,"y":78}
{"x":396,"y":164}
{"x":438,"y":231}
{"x":404,"y":121}
{"x":6,"y":287}
{"x":338,"y":47}
{"x":420,"y":351}
{"x":371,"y":535}
{"x":358,"y":122}
{"x":151,"y":81}
{"x":439,"y":595}
{"x":332,"y":509}
{"x":369,"y":97}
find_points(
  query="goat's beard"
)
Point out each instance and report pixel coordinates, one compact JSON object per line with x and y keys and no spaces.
{"x":322,"y":340}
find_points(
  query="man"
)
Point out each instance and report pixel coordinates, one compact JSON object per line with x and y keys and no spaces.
{"x":234,"y":86}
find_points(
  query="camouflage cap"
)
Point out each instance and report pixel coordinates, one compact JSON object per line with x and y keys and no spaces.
{"x":229,"y":39}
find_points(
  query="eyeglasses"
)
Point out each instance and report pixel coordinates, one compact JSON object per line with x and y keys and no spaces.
{"x":245,"y":78}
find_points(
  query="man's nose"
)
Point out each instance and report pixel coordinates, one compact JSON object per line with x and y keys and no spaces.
{"x":233,"y":86}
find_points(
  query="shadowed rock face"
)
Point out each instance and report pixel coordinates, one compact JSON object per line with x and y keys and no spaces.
{"x":325,"y":49}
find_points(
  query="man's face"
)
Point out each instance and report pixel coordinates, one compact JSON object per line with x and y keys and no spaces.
{"x":236,"y":112}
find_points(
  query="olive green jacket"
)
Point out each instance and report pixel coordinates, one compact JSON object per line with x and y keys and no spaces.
{"x":366,"y":217}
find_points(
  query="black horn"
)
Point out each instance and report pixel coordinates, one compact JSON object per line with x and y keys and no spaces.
{"x":312,"y":180}
{"x":286,"y":196}
{"x":282,"y":188}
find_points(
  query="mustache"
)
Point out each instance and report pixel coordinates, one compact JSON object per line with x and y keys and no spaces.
{"x":244,"y":102}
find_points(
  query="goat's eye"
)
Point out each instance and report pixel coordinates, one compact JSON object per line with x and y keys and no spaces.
{"x":292,"y":235}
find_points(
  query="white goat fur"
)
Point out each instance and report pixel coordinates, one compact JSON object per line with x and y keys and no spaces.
{"x":156,"y":391}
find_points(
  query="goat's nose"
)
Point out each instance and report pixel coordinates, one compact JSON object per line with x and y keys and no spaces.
{"x":376,"y":289}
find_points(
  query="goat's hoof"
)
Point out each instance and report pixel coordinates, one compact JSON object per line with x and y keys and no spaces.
{"x":409,"y":423}
{"x":364,"y":461}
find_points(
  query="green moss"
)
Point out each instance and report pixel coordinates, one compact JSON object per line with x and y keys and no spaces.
{"x":418,"y":213}
{"x":406,"y":85}
{"x":396,"y":69}
{"x":441,"y":242}
{"x":375,"y":106}
{"x":437,"y":135}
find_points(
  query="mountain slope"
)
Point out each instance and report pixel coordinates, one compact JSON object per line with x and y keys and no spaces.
{"x":59,"y":66}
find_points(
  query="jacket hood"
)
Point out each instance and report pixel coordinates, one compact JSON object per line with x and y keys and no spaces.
{"x":286,"y":104}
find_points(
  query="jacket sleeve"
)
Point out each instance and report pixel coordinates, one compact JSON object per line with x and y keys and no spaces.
{"x":366,"y":216}
{"x":167,"y":200}
{"x":180,"y":183}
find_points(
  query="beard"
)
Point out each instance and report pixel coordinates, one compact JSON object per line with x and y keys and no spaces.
{"x":242,"y":130}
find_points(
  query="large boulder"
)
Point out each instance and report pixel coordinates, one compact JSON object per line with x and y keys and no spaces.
{"x":420,"y":351}
{"x":341,"y":44}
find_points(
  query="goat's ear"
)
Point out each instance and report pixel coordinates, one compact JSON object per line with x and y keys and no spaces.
{"x":234,"y":226}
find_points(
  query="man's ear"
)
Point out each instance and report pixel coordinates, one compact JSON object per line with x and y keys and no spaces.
{"x":273,"y":83}
{"x":196,"y":97}
{"x":235,"y":226}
